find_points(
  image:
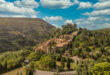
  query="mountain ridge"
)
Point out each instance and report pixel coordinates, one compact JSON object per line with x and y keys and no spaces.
{"x":18,"y":32}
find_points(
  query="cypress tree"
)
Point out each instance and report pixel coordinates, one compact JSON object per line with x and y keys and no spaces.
{"x":17,"y":73}
{"x":21,"y":73}
{"x":68,"y":63}
{"x":1,"y":68}
{"x":5,"y":66}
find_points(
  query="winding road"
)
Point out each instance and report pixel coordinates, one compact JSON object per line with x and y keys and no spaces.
{"x":38,"y":72}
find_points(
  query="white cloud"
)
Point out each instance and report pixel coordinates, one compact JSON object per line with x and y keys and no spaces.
{"x":84,"y":5}
{"x":19,"y":16}
{"x":1,"y":1}
{"x":56,"y":4}
{"x":55,"y":25}
{"x":98,"y":18}
{"x":103,"y":0}
{"x":98,"y":12}
{"x":62,"y":4}
{"x":76,"y":1}
{"x":10,"y":10}
{"x":93,"y":22}
{"x":69,"y":21}
{"x":102,"y":4}
{"x":53,"y":18}
{"x":27,"y":3}
{"x":56,"y":21}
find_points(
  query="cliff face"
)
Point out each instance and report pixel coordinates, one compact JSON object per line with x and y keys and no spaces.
{"x":16,"y":33}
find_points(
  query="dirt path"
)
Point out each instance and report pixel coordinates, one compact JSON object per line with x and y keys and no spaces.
{"x":37,"y":72}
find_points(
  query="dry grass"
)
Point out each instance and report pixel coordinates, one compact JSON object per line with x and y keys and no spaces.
{"x":14,"y":72}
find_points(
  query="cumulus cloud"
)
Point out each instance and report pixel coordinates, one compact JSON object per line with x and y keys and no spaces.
{"x":101,"y":8}
{"x":53,"y":18}
{"x":93,"y":22}
{"x":18,"y":16}
{"x":98,"y":12}
{"x":76,"y":1}
{"x":56,"y":21}
{"x":62,"y":4}
{"x":69,"y":21}
{"x":10,"y":10}
{"x":102,"y":4}
{"x":1,"y":1}
{"x":84,"y":5}
{"x":56,"y":4}
{"x":98,"y":18}
{"x":103,"y":0}
{"x":26,"y":3}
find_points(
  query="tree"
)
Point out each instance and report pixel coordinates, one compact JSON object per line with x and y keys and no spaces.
{"x":33,"y":56}
{"x":63,"y":64}
{"x":21,"y":73}
{"x":101,"y":68}
{"x":46,"y":63}
{"x":5,"y":66}
{"x":30,"y":72}
{"x":1,"y":68}
{"x":17,"y":73}
{"x":68,"y":63}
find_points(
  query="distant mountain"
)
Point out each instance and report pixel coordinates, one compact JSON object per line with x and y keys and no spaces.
{"x":105,"y":30}
{"x":15,"y":33}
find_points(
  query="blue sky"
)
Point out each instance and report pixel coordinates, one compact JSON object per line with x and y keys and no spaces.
{"x":91,"y":14}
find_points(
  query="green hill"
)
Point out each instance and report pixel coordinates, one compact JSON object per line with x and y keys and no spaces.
{"x":83,"y":51}
{"x":87,"y":50}
{"x":15,"y":33}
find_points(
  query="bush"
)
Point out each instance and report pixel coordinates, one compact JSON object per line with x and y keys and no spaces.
{"x":33,"y":56}
{"x":46,"y":63}
{"x":101,"y":68}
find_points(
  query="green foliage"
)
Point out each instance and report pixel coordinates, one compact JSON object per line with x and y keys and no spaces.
{"x":29,"y":72}
{"x":84,"y":67}
{"x":92,"y":38}
{"x":67,"y":29}
{"x":101,"y":69}
{"x":92,"y":48}
{"x":21,"y":73}
{"x":46,"y":63}
{"x":11,"y":60}
{"x":33,"y":56}
{"x":68,"y":64}
{"x":17,"y":73}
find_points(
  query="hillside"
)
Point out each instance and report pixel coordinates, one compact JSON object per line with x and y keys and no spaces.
{"x":55,"y":43}
{"x":87,"y":49}
{"x":105,"y":30}
{"x":61,"y":39}
{"x":69,"y":49}
{"x":15,"y":33}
